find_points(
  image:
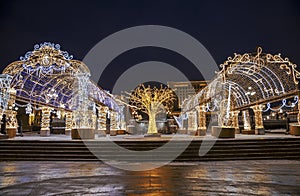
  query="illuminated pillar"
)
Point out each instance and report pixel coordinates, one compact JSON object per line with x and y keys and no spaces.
{"x":45,"y":124}
{"x":84,"y":118}
{"x":201,"y":120}
{"x":122,"y":122}
{"x":113,"y":120}
{"x":113,"y":123}
{"x":259,"y":127}
{"x":101,"y":121}
{"x":68,"y":123}
{"x":235,"y":120}
{"x":5,"y":91}
{"x":11,"y":123}
{"x":247,"y":125}
{"x":192,"y":122}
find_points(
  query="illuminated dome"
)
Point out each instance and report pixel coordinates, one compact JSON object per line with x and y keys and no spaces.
{"x":47,"y":76}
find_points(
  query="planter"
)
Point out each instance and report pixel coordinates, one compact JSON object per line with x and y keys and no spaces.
{"x":295,"y":130}
{"x":113,"y":132}
{"x":11,"y":132}
{"x":83,"y":133}
{"x":223,"y":132}
{"x":121,"y":132}
{"x":45,"y":132}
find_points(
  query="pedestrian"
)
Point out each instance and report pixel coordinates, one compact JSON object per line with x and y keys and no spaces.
{"x":287,"y":122}
{"x":3,"y":124}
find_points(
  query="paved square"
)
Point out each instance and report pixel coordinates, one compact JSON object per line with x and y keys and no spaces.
{"x":202,"y":178}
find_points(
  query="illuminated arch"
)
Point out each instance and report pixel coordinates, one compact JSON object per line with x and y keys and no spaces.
{"x":255,"y":78}
{"x":46,"y":76}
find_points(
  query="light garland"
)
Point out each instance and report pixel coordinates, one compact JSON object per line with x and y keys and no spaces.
{"x":268,"y":105}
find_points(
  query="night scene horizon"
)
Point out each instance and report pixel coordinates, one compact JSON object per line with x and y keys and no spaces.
{"x":224,"y":28}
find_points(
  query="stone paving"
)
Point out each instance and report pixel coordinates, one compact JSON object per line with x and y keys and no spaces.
{"x":201,"y":178}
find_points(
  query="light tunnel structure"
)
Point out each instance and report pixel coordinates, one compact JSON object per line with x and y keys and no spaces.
{"x":48,"y":78}
{"x":250,"y":80}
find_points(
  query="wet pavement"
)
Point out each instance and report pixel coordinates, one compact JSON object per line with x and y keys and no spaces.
{"x":164,"y":137}
{"x":272,"y":177}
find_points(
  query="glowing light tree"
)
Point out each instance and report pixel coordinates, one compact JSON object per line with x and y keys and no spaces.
{"x":152,"y":101}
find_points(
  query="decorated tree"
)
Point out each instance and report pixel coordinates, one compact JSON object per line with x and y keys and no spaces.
{"x":152,"y":101}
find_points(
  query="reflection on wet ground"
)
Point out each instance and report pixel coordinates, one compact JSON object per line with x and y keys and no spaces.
{"x":94,"y":178}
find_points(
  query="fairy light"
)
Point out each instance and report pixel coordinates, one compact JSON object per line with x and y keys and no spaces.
{"x":151,"y":101}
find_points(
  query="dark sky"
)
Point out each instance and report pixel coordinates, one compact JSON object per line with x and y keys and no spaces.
{"x":223,"y":27}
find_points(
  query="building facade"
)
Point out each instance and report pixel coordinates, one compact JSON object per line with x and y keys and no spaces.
{"x":186,"y":89}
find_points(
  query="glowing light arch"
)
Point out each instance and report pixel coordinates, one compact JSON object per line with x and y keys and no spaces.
{"x":255,"y":80}
{"x":48,"y":67}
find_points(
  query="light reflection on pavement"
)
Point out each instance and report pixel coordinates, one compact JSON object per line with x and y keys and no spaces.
{"x":202,"y":178}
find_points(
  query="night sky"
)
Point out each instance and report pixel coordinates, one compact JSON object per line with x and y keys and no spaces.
{"x":223,"y":27}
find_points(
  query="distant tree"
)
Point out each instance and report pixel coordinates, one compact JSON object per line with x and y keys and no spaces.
{"x":152,"y":101}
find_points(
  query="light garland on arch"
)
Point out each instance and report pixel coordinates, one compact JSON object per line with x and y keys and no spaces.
{"x":282,"y":106}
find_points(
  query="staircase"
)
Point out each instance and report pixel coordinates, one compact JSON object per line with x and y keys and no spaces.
{"x":231,"y":149}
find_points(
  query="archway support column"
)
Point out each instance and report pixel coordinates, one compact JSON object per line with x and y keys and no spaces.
{"x":192,"y":122}
{"x":235,"y":121}
{"x":247,"y":125}
{"x":84,"y":118}
{"x":68,"y":123}
{"x":201,"y":120}
{"x":113,"y":123}
{"x":45,"y":124}
{"x":11,"y":115}
{"x":101,"y":120}
{"x":259,"y":127}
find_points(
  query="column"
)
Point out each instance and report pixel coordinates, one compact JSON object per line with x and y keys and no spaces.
{"x":259,"y":127}
{"x":201,"y":120}
{"x":45,"y":124}
{"x":247,"y":125}
{"x":235,"y":120}
{"x":68,"y":123}
{"x":122,"y":122}
{"x":84,"y":118}
{"x":11,"y":123}
{"x":101,"y":121}
{"x":192,"y":122}
{"x":113,"y":123}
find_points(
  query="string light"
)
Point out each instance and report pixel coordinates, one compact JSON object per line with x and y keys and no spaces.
{"x":151,"y":101}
